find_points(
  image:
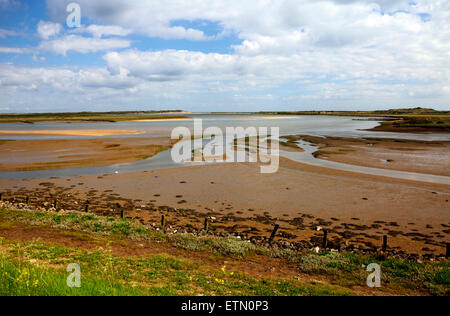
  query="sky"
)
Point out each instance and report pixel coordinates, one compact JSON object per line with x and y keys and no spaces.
{"x":223,"y":55}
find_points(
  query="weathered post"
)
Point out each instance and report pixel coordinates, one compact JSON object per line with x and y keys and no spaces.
{"x":385,"y":243}
{"x":163,"y":222}
{"x":274,"y":233}
{"x":28,"y":201}
{"x":206,"y":226}
{"x":122,"y":212}
{"x":447,"y":255}
{"x":325,"y":239}
{"x":86,"y":207}
{"x":1,"y":197}
{"x":55,"y":204}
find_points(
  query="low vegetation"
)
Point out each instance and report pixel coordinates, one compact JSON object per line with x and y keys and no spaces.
{"x":88,"y":116}
{"x":184,"y":264}
{"x":413,"y":119}
{"x":419,"y":122}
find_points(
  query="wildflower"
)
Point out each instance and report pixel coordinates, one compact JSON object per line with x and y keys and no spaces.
{"x":220,"y":281}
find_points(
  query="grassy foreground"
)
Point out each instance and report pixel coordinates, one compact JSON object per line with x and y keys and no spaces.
{"x":122,"y":257}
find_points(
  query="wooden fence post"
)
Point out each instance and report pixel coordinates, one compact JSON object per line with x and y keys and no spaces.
{"x":1,"y":197}
{"x":206,"y":227}
{"x":28,"y":201}
{"x":163,"y":222}
{"x":274,"y":233}
{"x":385,"y":243}
{"x":447,"y":255}
{"x":122,"y":213}
{"x":55,"y":204}
{"x":86,"y":207}
{"x":325,"y":239}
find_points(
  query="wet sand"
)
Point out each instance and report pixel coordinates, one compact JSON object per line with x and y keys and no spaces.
{"x":26,"y":155}
{"x":355,"y":208}
{"x":392,"y":154}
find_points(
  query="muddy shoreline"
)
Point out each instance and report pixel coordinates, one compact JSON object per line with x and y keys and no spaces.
{"x":188,"y":221}
{"x":426,"y":157}
{"x":356,"y":210}
{"x":28,"y":155}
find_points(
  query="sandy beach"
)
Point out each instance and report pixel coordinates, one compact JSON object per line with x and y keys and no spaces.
{"x":73,"y":133}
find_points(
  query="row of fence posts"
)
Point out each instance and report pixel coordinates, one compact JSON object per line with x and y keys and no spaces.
{"x":384,"y":247}
{"x":275,"y":230}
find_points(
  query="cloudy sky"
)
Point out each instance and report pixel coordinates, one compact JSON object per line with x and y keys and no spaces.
{"x":224,"y":55}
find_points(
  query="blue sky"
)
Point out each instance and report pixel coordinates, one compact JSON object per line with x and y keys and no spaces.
{"x":224,"y":55}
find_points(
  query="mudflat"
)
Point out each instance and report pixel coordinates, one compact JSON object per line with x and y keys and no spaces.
{"x":428,"y":157}
{"x":355,"y":208}
{"x":27,"y":155}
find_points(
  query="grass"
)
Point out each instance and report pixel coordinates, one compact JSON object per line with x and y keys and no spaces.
{"x":434,"y":122}
{"x":105,"y":273}
{"x":24,"y":279}
{"x":230,"y":247}
{"x":37,"y":268}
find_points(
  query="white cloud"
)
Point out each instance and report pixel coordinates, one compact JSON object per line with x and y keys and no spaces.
{"x":84,"y":87}
{"x":61,"y":88}
{"x":103,"y":30}
{"x":5,"y":33}
{"x":47,"y":30}
{"x":173,"y":64}
{"x":151,"y":18}
{"x":63,"y":79}
{"x":12,"y":50}
{"x":82,"y":44}
{"x":247,"y":18}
